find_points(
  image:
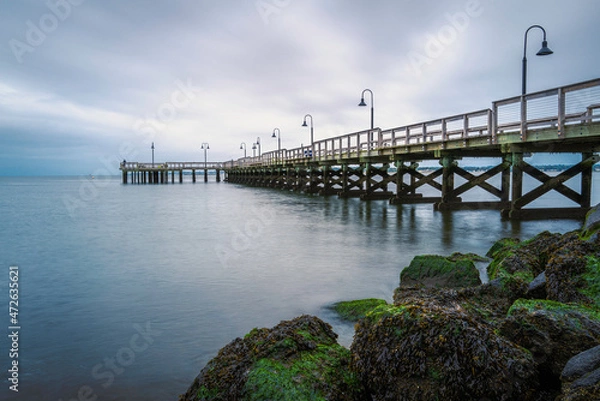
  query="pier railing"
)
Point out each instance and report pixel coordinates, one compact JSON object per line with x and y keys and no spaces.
{"x":508,"y":121}
{"x":171,"y":166}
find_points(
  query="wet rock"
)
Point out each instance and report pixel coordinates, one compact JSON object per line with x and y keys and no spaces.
{"x":455,"y":271}
{"x":581,"y":377}
{"x":354,"y":310}
{"x":572,"y":273}
{"x":296,"y":360}
{"x":553,"y":332}
{"x":591,"y":226}
{"x":486,"y":304}
{"x":428,"y":350}
{"x":581,"y":365}
{"x":516,"y":263}
{"x":537,"y":288}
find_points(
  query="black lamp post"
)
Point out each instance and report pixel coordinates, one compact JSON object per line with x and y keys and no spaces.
{"x":363,"y":104}
{"x":258,"y":144}
{"x":544,"y":51}
{"x":312,"y":135}
{"x":243,"y":146}
{"x":277,"y":134}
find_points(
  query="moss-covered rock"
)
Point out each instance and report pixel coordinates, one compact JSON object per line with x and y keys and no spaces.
{"x":517,"y":263}
{"x":455,"y":271}
{"x":354,"y":310}
{"x":429,"y":351}
{"x":572,"y":273}
{"x":296,"y":360}
{"x":553,"y":332}
{"x":485,"y":303}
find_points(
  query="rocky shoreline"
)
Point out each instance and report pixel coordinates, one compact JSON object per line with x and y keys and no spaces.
{"x":531,"y":334}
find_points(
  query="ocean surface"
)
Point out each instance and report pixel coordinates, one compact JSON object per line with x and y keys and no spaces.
{"x":126,"y":291}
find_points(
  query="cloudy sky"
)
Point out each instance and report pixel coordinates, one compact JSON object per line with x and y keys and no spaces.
{"x":86,"y":83}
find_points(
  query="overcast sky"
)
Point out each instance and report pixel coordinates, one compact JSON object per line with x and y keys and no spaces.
{"x":86,"y":83}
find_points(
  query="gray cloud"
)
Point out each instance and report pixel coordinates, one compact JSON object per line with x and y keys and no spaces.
{"x":78,"y":96}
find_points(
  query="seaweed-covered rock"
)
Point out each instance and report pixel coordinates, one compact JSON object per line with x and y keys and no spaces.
{"x":296,"y":360}
{"x":428,"y":351}
{"x":455,"y":271}
{"x":581,"y":377}
{"x":572,"y":273}
{"x":516,"y":263}
{"x":553,"y":332}
{"x":354,"y":310}
{"x":486,"y":304}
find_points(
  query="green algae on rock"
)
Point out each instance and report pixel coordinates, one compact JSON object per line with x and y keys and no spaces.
{"x":354,"y":310}
{"x":455,"y":271}
{"x":296,"y":360}
{"x":553,"y":332}
{"x":429,"y":351}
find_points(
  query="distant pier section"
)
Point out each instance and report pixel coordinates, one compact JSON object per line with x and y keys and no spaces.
{"x":162,"y":173}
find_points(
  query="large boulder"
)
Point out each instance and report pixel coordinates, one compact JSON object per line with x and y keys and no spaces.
{"x":553,"y":333}
{"x":515,"y":264}
{"x":573,"y":271}
{"x":435,"y":271}
{"x":296,"y":360}
{"x":581,"y":377}
{"x":427,"y":350}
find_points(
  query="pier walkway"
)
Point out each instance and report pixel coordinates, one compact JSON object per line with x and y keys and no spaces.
{"x":383,"y":163}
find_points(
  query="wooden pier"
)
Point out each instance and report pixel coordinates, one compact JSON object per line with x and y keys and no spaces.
{"x":382,"y":164}
{"x":159,"y":173}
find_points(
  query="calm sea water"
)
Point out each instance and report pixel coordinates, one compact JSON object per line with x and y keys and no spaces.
{"x":126,"y":291}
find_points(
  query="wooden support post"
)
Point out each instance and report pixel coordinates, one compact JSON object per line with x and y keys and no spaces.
{"x":218,"y":174}
{"x":586,"y":182}
{"x":205,"y":175}
{"x":124,"y":176}
{"x":517,"y":181}
{"x":505,"y":188}
{"x":193,"y":175}
{"x":448,"y":165}
{"x":180,"y":176}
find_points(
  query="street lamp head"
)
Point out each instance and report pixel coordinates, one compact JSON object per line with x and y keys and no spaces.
{"x":253,"y":146}
{"x":362,"y":102}
{"x":304,"y":123}
{"x":273,"y":136}
{"x":545,"y":50}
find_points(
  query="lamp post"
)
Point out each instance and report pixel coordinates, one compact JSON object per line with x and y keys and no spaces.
{"x":363,"y":104}
{"x":205,"y":147}
{"x":243,"y":146}
{"x":544,"y":51}
{"x":278,"y":136}
{"x":152,"y":147}
{"x":312,"y":136}
{"x":258,"y":144}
